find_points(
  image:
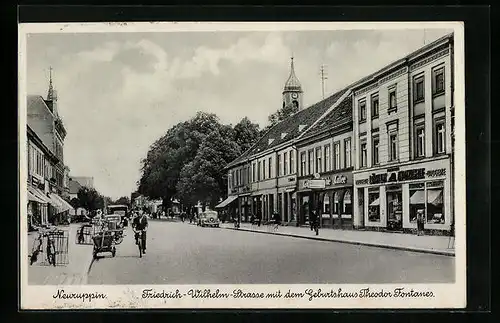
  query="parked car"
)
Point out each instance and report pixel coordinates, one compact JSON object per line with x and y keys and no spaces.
{"x":208,"y":219}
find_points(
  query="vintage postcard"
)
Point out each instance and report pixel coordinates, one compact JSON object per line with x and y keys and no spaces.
{"x":242,"y":165}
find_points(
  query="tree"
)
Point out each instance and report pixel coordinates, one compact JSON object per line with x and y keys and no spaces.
{"x":90,"y":199}
{"x":246,"y":134}
{"x":204,"y":178}
{"x":124,"y":200}
{"x":166,"y":157}
{"x":75,"y":203}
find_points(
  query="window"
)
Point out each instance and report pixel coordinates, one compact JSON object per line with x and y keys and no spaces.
{"x":435,"y":206}
{"x":347,"y":155}
{"x":419,"y":141}
{"x":326,"y":204}
{"x":259,"y":171}
{"x":292,"y":162}
{"x":270,"y":167}
{"x":362,"y":111}
{"x":336,"y":203}
{"x":318,"y":160}
{"x":439,"y":135}
{"x":363,"y":154}
{"x":336,"y":153}
{"x":347,"y":203}
{"x":311,"y":162}
{"x":375,"y":106}
{"x":394,"y":199}
{"x":393,"y":104}
{"x":375,"y":150}
{"x":374,"y":204}
{"x":285,"y":163}
{"x":264,"y":169}
{"x":237,"y":177}
{"x":438,"y":81}
{"x":393,"y":146}
{"x":427,"y":200}
{"x":303,"y":163}
{"x":418,"y":89}
{"x":327,"y":158}
{"x":253,"y":172}
{"x":280,"y":165}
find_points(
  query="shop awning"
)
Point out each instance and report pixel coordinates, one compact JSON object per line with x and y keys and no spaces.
{"x":435,"y":197}
{"x":417,"y":198}
{"x":226,"y":201}
{"x":375,"y":203}
{"x":32,"y":197}
{"x":64,"y":205}
{"x":38,"y":194}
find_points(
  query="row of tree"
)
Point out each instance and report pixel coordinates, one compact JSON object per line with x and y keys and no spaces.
{"x":91,"y":200}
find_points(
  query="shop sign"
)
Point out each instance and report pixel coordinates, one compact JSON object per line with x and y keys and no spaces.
{"x":315,"y":184}
{"x":436,"y":172}
{"x":291,"y":179}
{"x":404,"y":175}
{"x":362,"y":181}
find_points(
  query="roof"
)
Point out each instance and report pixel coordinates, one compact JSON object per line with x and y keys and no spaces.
{"x":339,"y":115}
{"x":74,"y":187}
{"x":290,"y":127}
{"x":293,"y":83}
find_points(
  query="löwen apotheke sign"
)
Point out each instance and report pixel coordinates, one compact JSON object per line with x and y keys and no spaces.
{"x":402,"y":176}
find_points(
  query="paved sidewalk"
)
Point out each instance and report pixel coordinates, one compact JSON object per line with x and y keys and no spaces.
{"x":410,"y":242}
{"x":74,"y":273}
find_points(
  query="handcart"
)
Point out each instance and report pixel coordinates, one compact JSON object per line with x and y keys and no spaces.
{"x":104,"y":242}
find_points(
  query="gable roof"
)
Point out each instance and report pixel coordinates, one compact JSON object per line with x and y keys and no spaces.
{"x":290,"y":126}
{"x":339,"y":115}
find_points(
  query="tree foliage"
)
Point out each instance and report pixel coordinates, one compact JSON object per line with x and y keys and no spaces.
{"x":188,"y":161}
{"x":90,"y":199}
{"x":124,"y":200}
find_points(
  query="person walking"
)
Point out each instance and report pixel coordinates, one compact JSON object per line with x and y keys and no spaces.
{"x":277,"y":220}
{"x":259,"y":217}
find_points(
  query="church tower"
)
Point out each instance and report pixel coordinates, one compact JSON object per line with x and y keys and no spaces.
{"x":292,"y":92}
{"x":51,"y":95}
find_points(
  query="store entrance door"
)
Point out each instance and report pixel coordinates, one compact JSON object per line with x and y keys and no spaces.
{"x":394,"y":207}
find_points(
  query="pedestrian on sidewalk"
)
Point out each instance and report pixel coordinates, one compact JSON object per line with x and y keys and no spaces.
{"x":259,"y":217}
{"x":277,"y":219}
{"x":420,"y":222}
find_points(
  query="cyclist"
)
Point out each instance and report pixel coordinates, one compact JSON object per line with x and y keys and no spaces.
{"x":139,"y":226}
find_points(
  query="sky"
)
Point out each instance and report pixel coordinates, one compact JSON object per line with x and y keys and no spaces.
{"x":119,"y":92}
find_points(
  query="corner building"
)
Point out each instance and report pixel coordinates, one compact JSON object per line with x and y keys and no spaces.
{"x":402,"y":125}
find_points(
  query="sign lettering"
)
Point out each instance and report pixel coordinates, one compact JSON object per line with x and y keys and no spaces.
{"x":436,"y":172}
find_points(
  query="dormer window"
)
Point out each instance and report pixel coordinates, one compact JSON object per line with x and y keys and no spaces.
{"x":283,"y":135}
{"x":301,"y":127}
{"x":270,"y":141}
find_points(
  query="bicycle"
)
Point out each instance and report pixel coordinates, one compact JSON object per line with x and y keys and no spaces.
{"x":138,"y":241}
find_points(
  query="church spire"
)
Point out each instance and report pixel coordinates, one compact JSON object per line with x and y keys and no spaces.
{"x":292,"y":84}
{"x":50,"y":94}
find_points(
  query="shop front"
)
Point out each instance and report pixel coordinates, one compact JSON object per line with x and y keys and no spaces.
{"x":38,"y":203}
{"x":334,"y":198}
{"x":401,"y":197}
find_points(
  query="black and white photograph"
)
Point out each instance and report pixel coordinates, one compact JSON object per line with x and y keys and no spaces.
{"x":242,"y":165}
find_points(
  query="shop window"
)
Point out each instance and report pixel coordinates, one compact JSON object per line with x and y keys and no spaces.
{"x":327,"y":158}
{"x":347,"y":147}
{"x":318,"y":160}
{"x":303,"y":163}
{"x":347,"y":203}
{"x":435,"y":203}
{"x":362,"y":111}
{"x":374,"y":205}
{"x":417,"y":201}
{"x":326,"y":204}
{"x":374,"y":106}
{"x":419,"y":140}
{"x":439,"y":137}
{"x":375,"y":150}
{"x":336,"y":203}
{"x":394,"y":197}
{"x":438,"y":81}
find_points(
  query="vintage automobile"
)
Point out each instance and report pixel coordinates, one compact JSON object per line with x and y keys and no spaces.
{"x":114,"y":221}
{"x":208,"y":219}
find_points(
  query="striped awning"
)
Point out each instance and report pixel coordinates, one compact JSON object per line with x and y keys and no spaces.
{"x":58,"y":203}
{"x":226,"y":201}
{"x":37,"y":195}
{"x":32,"y":197}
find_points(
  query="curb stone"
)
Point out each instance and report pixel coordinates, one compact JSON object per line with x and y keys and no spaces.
{"x":428,"y":251}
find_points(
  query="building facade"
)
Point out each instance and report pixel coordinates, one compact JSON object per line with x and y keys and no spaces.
{"x":402,"y":125}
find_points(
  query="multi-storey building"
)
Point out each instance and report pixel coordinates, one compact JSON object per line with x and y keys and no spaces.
{"x":46,"y":134}
{"x":402,"y":118}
